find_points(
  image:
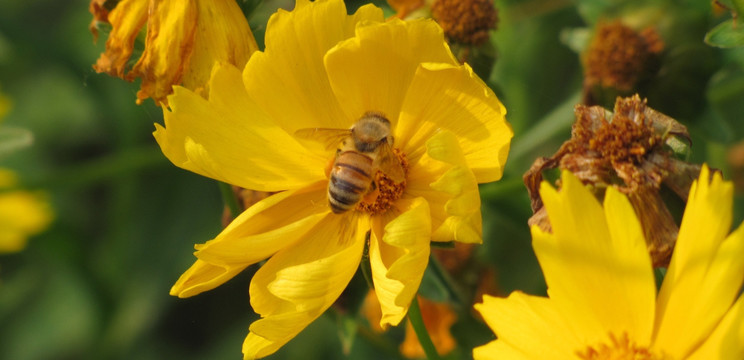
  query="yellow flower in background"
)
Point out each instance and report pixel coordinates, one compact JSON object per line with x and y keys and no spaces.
{"x":184,"y":40}
{"x":438,"y":318}
{"x":602,"y":300}
{"x":22,"y":214}
{"x":323,"y":68}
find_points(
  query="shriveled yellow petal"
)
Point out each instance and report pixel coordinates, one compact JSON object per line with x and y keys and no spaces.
{"x":706,"y":271}
{"x":444,"y":179}
{"x":300,"y":282}
{"x":527,"y":327}
{"x":263,"y":229}
{"x":727,"y":340}
{"x":398,"y":255}
{"x":288,"y":79}
{"x":389,"y":54}
{"x":222,"y":35}
{"x":602,"y":280}
{"x":127,"y":19}
{"x":453,"y":98}
{"x":22,"y":214}
{"x":170,"y":40}
{"x":253,"y":154}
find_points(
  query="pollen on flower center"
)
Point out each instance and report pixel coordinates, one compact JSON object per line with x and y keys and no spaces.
{"x":619,"y":349}
{"x":387,"y":191}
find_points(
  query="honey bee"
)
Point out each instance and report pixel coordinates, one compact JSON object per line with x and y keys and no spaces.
{"x":361,"y":151}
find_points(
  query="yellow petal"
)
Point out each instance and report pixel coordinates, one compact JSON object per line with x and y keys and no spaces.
{"x":203,"y":276}
{"x":373,"y":70}
{"x":453,"y":98}
{"x":229,"y":139}
{"x":263,"y":229}
{"x":442,"y":177}
{"x":706,"y":270}
{"x":170,"y":35}
{"x":288,"y":79}
{"x":300,"y":282}
{"x":599,"y":274}
{"x":222,"y":35}
{"x":22,"y":214}
{"x":268,"y":226}
{"x":398,"y":255}
{"x":727,"y":340}
{"x":127,"y":19}
{"x":529,"y":327}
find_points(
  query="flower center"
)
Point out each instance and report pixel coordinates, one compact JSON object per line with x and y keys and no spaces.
{"x":619,"y":349}
{"x":386,"y":191}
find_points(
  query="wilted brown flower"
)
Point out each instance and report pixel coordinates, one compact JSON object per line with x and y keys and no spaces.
{"x":632,"y":150}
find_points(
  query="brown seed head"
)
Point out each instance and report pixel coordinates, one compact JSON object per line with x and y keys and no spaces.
{"x":465,"y":21}
{"x":619,"y":57}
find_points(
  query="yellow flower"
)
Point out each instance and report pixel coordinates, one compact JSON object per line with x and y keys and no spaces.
{"x":323,"y":68}
{"x":22,"y":214}
{"x":602,"y":300}
{"x":184,"y":40}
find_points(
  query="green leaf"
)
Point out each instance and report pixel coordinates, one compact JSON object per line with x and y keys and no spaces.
{"x":13,"y":139}
{"x":727,"y":34}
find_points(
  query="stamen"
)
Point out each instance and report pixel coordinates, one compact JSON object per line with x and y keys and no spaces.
{"x":387,"y":191}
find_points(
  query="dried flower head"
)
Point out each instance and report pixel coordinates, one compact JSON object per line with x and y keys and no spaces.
{"x":466,"y":22}
{"x":619,"y":57}
{"x":629,"y":150}
{"x":184,"y":40}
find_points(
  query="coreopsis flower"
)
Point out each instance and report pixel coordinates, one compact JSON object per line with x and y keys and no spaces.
{"x":184,"y":40}
{"x":323,"y":68}
{"x":632,"y":149}
{"x":22,"y":213}
{"x":602,"y":297}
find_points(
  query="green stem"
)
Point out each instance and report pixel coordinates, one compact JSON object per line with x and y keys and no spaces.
{"x":417,"y":321}
{"x":446,"y":280}
{"x":231,"y":201}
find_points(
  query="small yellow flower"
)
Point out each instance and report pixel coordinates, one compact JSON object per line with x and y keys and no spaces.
{"x":22,"y":214}
{"x":184,"y":40}
{"x":323,"y":68}
{"x":602,"y":300}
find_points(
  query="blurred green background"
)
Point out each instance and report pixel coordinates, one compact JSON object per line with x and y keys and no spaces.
{"x":95,"y":284}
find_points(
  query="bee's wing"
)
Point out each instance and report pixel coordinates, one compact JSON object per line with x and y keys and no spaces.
{"x":389,"y":164}
{"x":329,"y":137}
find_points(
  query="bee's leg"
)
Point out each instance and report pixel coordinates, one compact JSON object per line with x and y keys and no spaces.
{"x":372,"y":193}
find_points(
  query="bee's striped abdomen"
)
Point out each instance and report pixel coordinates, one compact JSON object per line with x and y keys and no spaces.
{"x":350,"y":178}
